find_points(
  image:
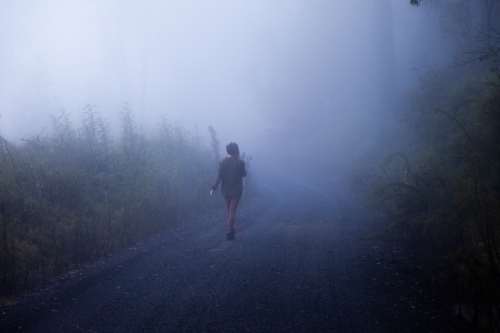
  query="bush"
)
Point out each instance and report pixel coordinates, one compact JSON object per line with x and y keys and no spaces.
{"x":74,"y":194}
{"x":446,"y":203}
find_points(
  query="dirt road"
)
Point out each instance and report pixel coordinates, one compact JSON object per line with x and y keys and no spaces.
{"x":301,"y":262}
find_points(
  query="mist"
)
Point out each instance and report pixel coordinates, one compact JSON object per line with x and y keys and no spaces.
{"x":290,"y":81}
{"x":368,"y":133}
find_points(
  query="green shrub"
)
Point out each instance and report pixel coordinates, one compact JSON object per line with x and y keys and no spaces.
{"x":74,"y":194}
{"x":445,"y":204}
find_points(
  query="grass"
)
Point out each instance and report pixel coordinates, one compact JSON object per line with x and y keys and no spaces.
{"x":72,"y":195}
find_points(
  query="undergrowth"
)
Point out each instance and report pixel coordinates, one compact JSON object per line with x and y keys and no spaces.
{"x":441,"y":192}
{"x":76,"y":193}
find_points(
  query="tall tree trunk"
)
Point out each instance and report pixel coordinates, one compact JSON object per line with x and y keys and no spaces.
{"x":385,"y":52}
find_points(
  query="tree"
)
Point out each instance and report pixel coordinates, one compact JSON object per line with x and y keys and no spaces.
{"x":474,"y":26}
{"x":214,"y":141}
{"x":486,"y":9}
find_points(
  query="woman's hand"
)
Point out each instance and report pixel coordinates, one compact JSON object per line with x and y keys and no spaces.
{"x":211,"y":192}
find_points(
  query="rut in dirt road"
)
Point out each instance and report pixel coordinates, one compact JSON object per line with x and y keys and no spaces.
{"x":298,"y":264}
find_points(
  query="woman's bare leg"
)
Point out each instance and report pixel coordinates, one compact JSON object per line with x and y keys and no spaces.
{"x":231,"y":206}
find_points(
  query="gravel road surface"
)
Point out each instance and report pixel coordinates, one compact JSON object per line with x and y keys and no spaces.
{"x":301,"y":262}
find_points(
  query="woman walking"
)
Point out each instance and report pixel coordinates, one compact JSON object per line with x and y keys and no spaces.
{"x":231,"y":171}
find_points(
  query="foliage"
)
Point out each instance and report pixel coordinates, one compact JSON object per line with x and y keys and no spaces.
{"x":214,"y":141}
{"x":472,"y":26}
{"x":445,"y":203}
{"x":75,"y":194}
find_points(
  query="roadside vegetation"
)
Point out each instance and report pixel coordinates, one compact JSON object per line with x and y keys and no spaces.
{"x":439,"y":188}
{"x":74,"y":194}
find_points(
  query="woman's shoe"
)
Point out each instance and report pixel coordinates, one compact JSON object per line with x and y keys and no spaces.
{"x":230,"y":235}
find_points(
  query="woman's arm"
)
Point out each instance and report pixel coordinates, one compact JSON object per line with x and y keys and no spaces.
{"x":216,"y":183}
{"x":217,"y":179}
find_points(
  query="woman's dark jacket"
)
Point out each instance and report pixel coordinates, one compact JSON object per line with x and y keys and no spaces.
{"x":231,"y":172}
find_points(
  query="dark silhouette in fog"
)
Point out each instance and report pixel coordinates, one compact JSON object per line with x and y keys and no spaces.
{"x":231,"y":172}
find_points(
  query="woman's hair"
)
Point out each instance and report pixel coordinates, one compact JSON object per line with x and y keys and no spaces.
{"x":233,"y":150}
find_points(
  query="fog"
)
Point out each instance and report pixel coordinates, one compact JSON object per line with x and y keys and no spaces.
{"x":305,"y":81}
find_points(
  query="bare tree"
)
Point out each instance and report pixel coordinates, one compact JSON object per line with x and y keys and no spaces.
{"x":473,"y":25}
